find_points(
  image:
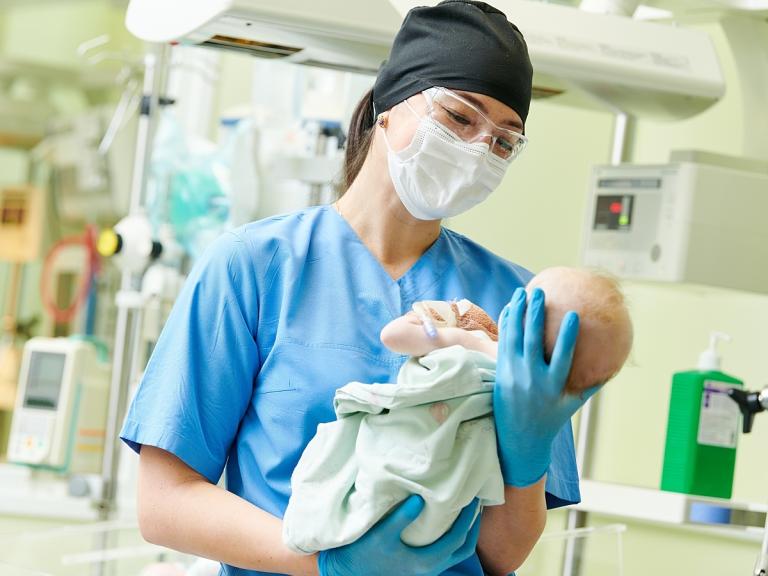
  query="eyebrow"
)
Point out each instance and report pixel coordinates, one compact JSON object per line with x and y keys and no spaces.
{"x":477,"y":102}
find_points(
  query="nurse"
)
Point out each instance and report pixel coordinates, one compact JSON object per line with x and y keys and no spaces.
{"x":280,"y":313}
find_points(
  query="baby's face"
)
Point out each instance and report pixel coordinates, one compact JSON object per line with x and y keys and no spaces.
{"x":605,"y":329}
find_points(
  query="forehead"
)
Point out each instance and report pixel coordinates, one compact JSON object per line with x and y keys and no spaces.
{"x":497,"y":111}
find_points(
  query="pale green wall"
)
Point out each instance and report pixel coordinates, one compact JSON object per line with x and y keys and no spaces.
{"x":535,"y":218}
{"x":49,"y":32}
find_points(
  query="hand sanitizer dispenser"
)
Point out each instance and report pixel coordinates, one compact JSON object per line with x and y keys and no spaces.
{"x":702,"y":429}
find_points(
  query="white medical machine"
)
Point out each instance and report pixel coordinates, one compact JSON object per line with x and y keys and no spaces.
{"x":61,"y":406}
{"x":687,"y":221}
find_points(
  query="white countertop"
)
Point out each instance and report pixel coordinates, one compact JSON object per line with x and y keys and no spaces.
{"x":742,"y":520}
{"x":30,"y":493}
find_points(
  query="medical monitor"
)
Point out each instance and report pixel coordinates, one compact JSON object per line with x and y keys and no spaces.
{"x":44,"y":380}
{"x":688,"y":221}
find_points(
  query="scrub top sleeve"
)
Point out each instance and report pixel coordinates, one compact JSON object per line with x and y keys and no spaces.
{"x":200,"y":378}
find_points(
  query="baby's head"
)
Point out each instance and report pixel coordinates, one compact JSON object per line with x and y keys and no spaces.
{"x":605,"y":328}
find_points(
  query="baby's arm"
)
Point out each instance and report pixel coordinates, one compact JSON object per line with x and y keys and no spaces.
{"x":406,"y":335}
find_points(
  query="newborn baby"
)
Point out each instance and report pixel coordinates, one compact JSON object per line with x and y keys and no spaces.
{"x":605,"y":329}
{"x":432,"y":431}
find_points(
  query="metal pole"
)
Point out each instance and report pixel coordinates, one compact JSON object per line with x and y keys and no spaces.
{"x":574,"y":548}
{"x":159,"y":89}
{"x":127,"y":319}
{"x":127,"y":307}
{"x":621,"y":132}
{"x":129,"y":300}
{"x":143,"y":136}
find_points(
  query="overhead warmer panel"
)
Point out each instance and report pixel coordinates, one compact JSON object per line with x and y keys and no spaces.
{"x":337,"y":34}
{"x":579,"y":58}
{"x":633,"y":66}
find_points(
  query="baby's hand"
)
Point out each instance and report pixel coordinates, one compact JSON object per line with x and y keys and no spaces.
{"x":412,"y":334}
{"x":406,"y":335}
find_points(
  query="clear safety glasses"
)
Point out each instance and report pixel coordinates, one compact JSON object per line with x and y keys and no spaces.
{"x":466,"y":122}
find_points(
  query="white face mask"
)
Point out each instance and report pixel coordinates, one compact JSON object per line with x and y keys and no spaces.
{"x":439,"y":175}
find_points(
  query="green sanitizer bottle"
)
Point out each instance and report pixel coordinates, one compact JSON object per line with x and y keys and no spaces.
{"x":702,"y":429}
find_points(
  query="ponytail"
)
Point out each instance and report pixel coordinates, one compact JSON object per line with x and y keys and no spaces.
{"x":358,"y":140}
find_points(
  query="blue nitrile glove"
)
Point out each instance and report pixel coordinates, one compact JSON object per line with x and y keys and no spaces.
{"x":529,"y":408}
{"x":381,"y":552}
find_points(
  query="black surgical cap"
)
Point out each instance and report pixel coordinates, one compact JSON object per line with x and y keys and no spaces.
{"x":460,"y":45}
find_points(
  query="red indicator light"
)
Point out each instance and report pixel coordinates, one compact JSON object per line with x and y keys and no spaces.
{"x":615,"y":208}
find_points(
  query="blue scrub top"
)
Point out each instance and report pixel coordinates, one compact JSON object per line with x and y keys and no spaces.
{"x":276,"y":316}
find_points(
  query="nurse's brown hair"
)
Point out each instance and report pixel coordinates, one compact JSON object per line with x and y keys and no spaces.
{"x":359,"y":140}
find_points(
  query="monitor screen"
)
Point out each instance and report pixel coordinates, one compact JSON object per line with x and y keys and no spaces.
{"x":613,"y":212}
{"x":46,"y":370}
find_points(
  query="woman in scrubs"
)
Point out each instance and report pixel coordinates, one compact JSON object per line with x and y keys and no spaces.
{"x":280,"y":313}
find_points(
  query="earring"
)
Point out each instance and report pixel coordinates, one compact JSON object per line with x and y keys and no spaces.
{"x":382,"y":121}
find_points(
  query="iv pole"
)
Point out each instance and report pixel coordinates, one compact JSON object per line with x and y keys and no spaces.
{"x":137,"y":249}
{"x":128,"y":299}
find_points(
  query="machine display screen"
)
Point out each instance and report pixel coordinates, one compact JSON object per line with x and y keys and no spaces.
{"x":613,"y":212}
{"x":46,"y":371}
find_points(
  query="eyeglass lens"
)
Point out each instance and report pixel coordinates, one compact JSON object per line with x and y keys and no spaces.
{"x":470,"y":125}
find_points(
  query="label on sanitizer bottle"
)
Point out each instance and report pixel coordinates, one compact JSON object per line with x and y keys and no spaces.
{"x":719,"y":417}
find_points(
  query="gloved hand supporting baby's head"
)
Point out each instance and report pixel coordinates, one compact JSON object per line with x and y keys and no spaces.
{"x":605,"y":328}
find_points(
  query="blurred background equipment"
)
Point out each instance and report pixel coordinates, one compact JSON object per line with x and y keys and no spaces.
{"x":21,"y":221}
{"x":89,"y":179}
{"x":66,"y":290}
{"x":61,"y":406}
{"x":343,"y":36}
